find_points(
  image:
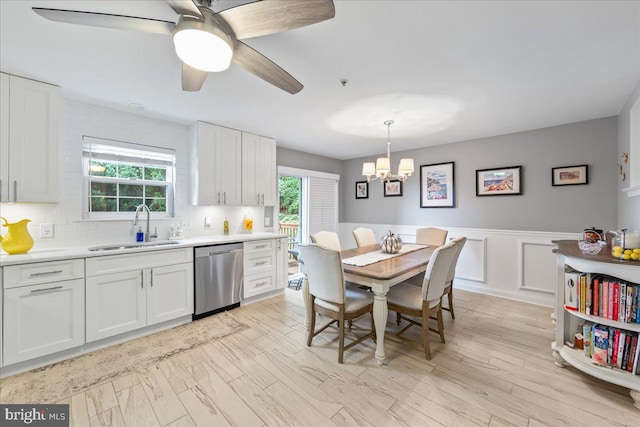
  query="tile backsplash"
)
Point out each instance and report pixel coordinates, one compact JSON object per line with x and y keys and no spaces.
{"x":78,"y":119}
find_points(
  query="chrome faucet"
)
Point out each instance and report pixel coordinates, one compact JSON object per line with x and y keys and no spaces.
{"x":147,"y":235}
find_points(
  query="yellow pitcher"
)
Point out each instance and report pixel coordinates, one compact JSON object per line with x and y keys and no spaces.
{"x":17,"y":240}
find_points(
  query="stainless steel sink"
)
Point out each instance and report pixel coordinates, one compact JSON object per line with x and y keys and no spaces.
{"x":133,"y":245}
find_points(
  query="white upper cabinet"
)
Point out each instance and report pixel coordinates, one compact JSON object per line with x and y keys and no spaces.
{"x":216,"y":165}
{"x":258,"y":170}
{"x":29,"y":140}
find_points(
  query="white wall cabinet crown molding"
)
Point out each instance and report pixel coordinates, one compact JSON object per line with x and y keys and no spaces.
{"x":29,"y":140}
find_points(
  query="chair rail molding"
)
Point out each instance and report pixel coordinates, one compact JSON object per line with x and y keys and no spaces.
{"x":513,"y":264}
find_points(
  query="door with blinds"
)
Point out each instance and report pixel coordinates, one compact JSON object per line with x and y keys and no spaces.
{"x":323,"y":205}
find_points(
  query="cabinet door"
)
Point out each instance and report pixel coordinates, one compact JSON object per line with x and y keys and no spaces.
{"x":43,"y":319}
{"x":282,"y":263}
{"x":266,"y":175}
{"x":250,"y":195}
{"x":203,"y":181}
{"x":170,"y":293}
{"x":229,"y":166}
{"x":116,"y":303}
{"x":34,"y":135}
{"x":4,"y":137}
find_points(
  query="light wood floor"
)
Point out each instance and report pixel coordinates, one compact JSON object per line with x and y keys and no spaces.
{"x":495,"y":369}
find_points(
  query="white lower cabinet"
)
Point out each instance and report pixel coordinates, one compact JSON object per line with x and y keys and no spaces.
{"x":138,"y":290}
{"x":42,"y":319}
{"x":282,"y":263}
{"x":265,"y":266}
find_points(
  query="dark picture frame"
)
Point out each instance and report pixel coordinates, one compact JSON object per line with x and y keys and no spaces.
{"x":362,"y":190}
{"x":570,"y":175}
{"x":437,"y":185}
{"x":393,"y":188}
{"x":506,"y":181}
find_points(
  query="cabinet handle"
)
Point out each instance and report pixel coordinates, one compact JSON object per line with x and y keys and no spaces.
{"x":141,"y":279}
{"x":260,"y":284}
{"x":45,"y":273}
{"x":15,"y":190}
{"x":279,"y":244}
{"x":46,"y":289}
{"x":261,"y":263}
{"x":261,"y":246}
{"x":258,"y":198}
{"x":152,"y":278}
{"x":262,"y":199}
{"x":224,"y":193}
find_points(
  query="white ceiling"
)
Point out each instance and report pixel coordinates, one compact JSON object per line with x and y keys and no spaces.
{"x":491,"y":67}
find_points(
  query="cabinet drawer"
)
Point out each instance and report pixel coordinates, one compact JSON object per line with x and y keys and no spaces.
{"x":42,"y":272}
{"x":259,"y":283}
{"x":258,"y":245}
{"x":43,"y":319}
{"x":259,"y":262}
{"x":117,"y":263}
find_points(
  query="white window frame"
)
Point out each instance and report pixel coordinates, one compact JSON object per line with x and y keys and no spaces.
{"x":101,"y":149}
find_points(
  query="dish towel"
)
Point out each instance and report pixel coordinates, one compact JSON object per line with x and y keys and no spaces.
{"x":377,"y":256}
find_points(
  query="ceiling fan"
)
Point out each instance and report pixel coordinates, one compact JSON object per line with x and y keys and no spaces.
{"x":207,"y":41}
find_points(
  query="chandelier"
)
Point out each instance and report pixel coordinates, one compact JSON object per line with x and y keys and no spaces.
{"x":381,"y":169}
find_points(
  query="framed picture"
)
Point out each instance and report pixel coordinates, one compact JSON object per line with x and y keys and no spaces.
{"x":570,"y":175}
{"x":499,"y":181}
{"x":362,"y":190}
{"x":393,"y":188}
{"x":436,"y":185}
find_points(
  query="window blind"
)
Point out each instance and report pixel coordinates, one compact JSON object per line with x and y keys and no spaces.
{"x":323,"y":205}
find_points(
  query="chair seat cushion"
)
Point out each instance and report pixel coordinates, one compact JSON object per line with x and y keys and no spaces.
{"x":408,"y":296}
{"x":355,"y":299}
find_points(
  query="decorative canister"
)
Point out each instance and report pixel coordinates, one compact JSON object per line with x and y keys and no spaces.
{"x":390,"y":243}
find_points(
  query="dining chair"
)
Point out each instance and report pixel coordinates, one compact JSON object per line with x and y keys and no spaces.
{"x":431,"y":236}
{"x":327,"y":239}
{"x":330,"y":297}
{"x":423,"y":302}
{"x":448,"y":290}
{"x":364,"y":236}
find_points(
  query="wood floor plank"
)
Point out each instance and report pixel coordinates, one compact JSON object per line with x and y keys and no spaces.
{"x":100,"y":399}
{"x":125,"y":381}
{"x":163,"y":399}
{"x":135,"y":407}
{"x":185,"y":421}
{"x":303,"y":413}
{"x":175,"y":371}
{"x":408,"y":416}
{"x":112,"y":417}
{"x":223,"y":366}
{"x":202,"y":410}
{"x":78,"y":412}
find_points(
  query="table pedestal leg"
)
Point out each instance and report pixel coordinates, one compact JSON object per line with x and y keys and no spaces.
{"x":380,"y":314}
{"x":307,"y":303}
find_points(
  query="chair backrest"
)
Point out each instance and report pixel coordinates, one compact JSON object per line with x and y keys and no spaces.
{"x":364,"y":236}
{"x":324,"y":273}
{"x":459,"y":241}
{"x":431,"y":236}
{"x":326,"y":239}
{"x":436,"y":275}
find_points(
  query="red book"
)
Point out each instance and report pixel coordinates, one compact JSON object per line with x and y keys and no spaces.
{"x":596,"y":287}
{"x":610,"y":302}
{"x":605,"y":299}
{"x":616,"y":300}
{"x":616,"y":341}
{"x":632,"y":353}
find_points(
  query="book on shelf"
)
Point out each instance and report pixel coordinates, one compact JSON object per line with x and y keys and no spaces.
{"x":600,"y":344}
{"x":605,"y":299}
{"x":595,"y":299}
{"x":610,"y":302}
{"x":633,"y":354}
{"x":571,"y":287}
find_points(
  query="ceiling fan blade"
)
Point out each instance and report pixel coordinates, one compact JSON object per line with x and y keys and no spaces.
{"x":105,"y":20}
{"x":268,"y":17}
{"x":259,"y":65}
{"x":192,"y":78}
{"x":185,"y":7}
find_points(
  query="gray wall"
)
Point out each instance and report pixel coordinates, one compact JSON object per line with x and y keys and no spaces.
{"x":540,"y":208}
{"x":628,"y":207}
{"x":302,"y":160}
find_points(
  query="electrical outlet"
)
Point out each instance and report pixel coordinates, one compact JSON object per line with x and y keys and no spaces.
{"x":47,"y":231}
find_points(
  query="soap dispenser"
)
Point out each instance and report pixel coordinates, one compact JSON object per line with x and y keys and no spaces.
{"x":139,"y":235}
{"x":225,"y":227}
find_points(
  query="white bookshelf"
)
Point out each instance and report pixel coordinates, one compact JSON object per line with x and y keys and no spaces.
{"x":568,"y":254}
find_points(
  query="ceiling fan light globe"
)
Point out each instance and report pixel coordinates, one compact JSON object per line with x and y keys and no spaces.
{"x":202,"y":50}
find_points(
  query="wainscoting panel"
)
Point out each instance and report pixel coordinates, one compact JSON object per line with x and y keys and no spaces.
{"x":536,"y":266}
{"x":512,"y":264}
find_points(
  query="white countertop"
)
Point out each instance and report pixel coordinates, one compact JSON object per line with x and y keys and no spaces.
{"x":56,"y":254}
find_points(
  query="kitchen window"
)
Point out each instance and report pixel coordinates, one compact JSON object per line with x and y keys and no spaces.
{"x":119,"y":176}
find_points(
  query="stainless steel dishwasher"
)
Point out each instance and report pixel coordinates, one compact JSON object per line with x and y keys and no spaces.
{"x":218,"y":279}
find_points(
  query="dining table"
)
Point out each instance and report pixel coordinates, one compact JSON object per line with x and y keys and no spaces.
{"x":379,"y":276}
